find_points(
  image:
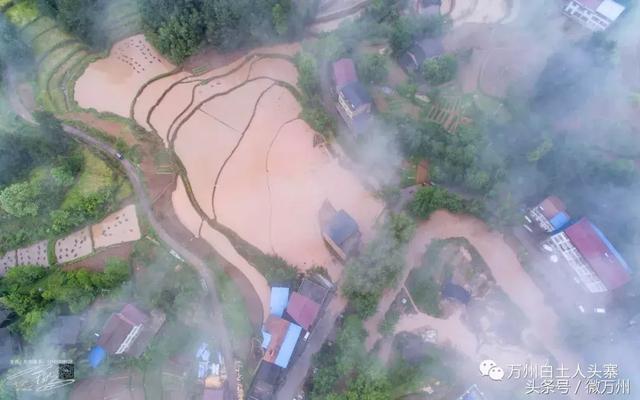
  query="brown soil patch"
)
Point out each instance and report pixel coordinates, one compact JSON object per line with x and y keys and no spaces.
{"x":8,"y":260}
{"x":113,"y":128}
{"x":119,"y":227}
{"x":36,"y":254}
{"x":74,"y":246}
{"x":97,"y":261}
{"x":110,"y":84}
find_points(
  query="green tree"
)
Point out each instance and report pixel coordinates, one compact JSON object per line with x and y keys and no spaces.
{"x":20,"y":199}
{"x":440,"y":69}
{"x":372,"y":68}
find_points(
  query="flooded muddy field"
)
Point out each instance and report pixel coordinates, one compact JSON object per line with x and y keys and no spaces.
{"x":251,"y":162}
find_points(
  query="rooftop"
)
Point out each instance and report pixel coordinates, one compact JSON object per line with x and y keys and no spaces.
{"x":603,"y":258}
{"x":344,"y":72}
{"x":551,"y":206}
{"x":313,"y":290}
{"x":283,"y":339}
{"x":303,"y":310}
{"x":341,"y":227}
{"x":356,"y":95}
{"x":279,"y":300}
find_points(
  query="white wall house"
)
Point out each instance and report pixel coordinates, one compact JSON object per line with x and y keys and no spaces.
{"x":596,"y":15}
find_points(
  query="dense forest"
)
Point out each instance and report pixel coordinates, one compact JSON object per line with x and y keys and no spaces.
{"x":179,"y":28}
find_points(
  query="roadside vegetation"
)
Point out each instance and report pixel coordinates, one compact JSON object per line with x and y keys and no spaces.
{"x":49,"y":186}
{"x":38,"y":294}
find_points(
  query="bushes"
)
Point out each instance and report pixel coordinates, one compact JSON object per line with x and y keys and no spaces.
{"x":372,"y":68}
{"x":377,"y":267}
{"x":33,"y":292}
{"x":429,"y":199}
{"x":440,"y":69}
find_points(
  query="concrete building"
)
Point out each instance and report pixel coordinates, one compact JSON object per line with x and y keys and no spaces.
{"x":595,"y":264}
{"x":596,"y":15}
{"x":550,"y":215}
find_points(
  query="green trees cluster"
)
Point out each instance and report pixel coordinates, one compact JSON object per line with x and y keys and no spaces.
{"x":407,"y":29}
{"x":13,"y":50}
{"x":466,"y":158}
{"x":372,"y":68}
{"x":34,"y":293}
{"x":179,"y":28}
{"x":79,"y":17}
{"x":440,"y":69}
{"x":378,"y":266}
{"x":429,"y":199}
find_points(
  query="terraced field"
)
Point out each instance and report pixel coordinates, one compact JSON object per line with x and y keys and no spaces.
{"x":249,"y":163}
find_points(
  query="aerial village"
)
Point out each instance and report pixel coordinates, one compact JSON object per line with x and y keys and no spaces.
{"x":324,"y":215}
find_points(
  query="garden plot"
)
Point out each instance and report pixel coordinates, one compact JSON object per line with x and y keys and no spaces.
{"x":74,"y":246}
{"x":8,"y":260}
{"x":111,"y":84}
{"x":35,"y":254}
{"x":119,"y":227}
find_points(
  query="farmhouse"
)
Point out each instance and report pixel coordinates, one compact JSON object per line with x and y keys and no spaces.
{"x":130,"y":331}
{"x":596,"y":265}
{"x":265,"y":382}
{"x":420,"y":52}
{"x":550,"y":215}
{"x":596,"y":15}
{"x":342,"y":234}
{"x":354,"y":105}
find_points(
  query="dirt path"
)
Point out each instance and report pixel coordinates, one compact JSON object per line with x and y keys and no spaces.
{"x":506,"y":269}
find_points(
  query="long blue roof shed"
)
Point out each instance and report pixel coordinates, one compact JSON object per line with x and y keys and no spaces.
{"x":288,"y":345}
{"x":279,"y":300}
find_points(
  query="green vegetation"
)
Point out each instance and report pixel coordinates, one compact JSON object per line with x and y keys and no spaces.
{"x":48,"y":186}
{"x":235,"y":313}
{"x":388,"y":324}
{"x":179,"y":28}
{"x":429,"y":199}
{"x":36,"y":293}
{"x":313,"y":111}
{"x":23,"y":12}
{"x":372,"y":68}
{"x":407,"y":29}
{"x":440,"y":69}
{"x":377,"y":267}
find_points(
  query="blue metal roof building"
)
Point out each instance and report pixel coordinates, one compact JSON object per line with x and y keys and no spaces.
{"x":288,"y":345}
{"x":279,"y":300}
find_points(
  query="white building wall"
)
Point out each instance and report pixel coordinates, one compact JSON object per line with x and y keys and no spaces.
{"x":586,"y":17}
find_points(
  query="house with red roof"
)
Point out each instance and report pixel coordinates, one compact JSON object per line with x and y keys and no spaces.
{"x":344,"y":73}
{"x":302,"y":310}
{"x":596,"y":264}
{"x":595,"y":15}
{"x":130,"y":331}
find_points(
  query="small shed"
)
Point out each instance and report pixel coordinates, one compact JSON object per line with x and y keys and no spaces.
{"x":279,"y":300}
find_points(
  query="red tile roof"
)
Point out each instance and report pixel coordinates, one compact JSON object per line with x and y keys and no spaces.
{"x":303,"y":310}
{"x":119,"y":326}
{"x":603,"y":258}
{"x":344,"y":72}
{"x":552,"y":206}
